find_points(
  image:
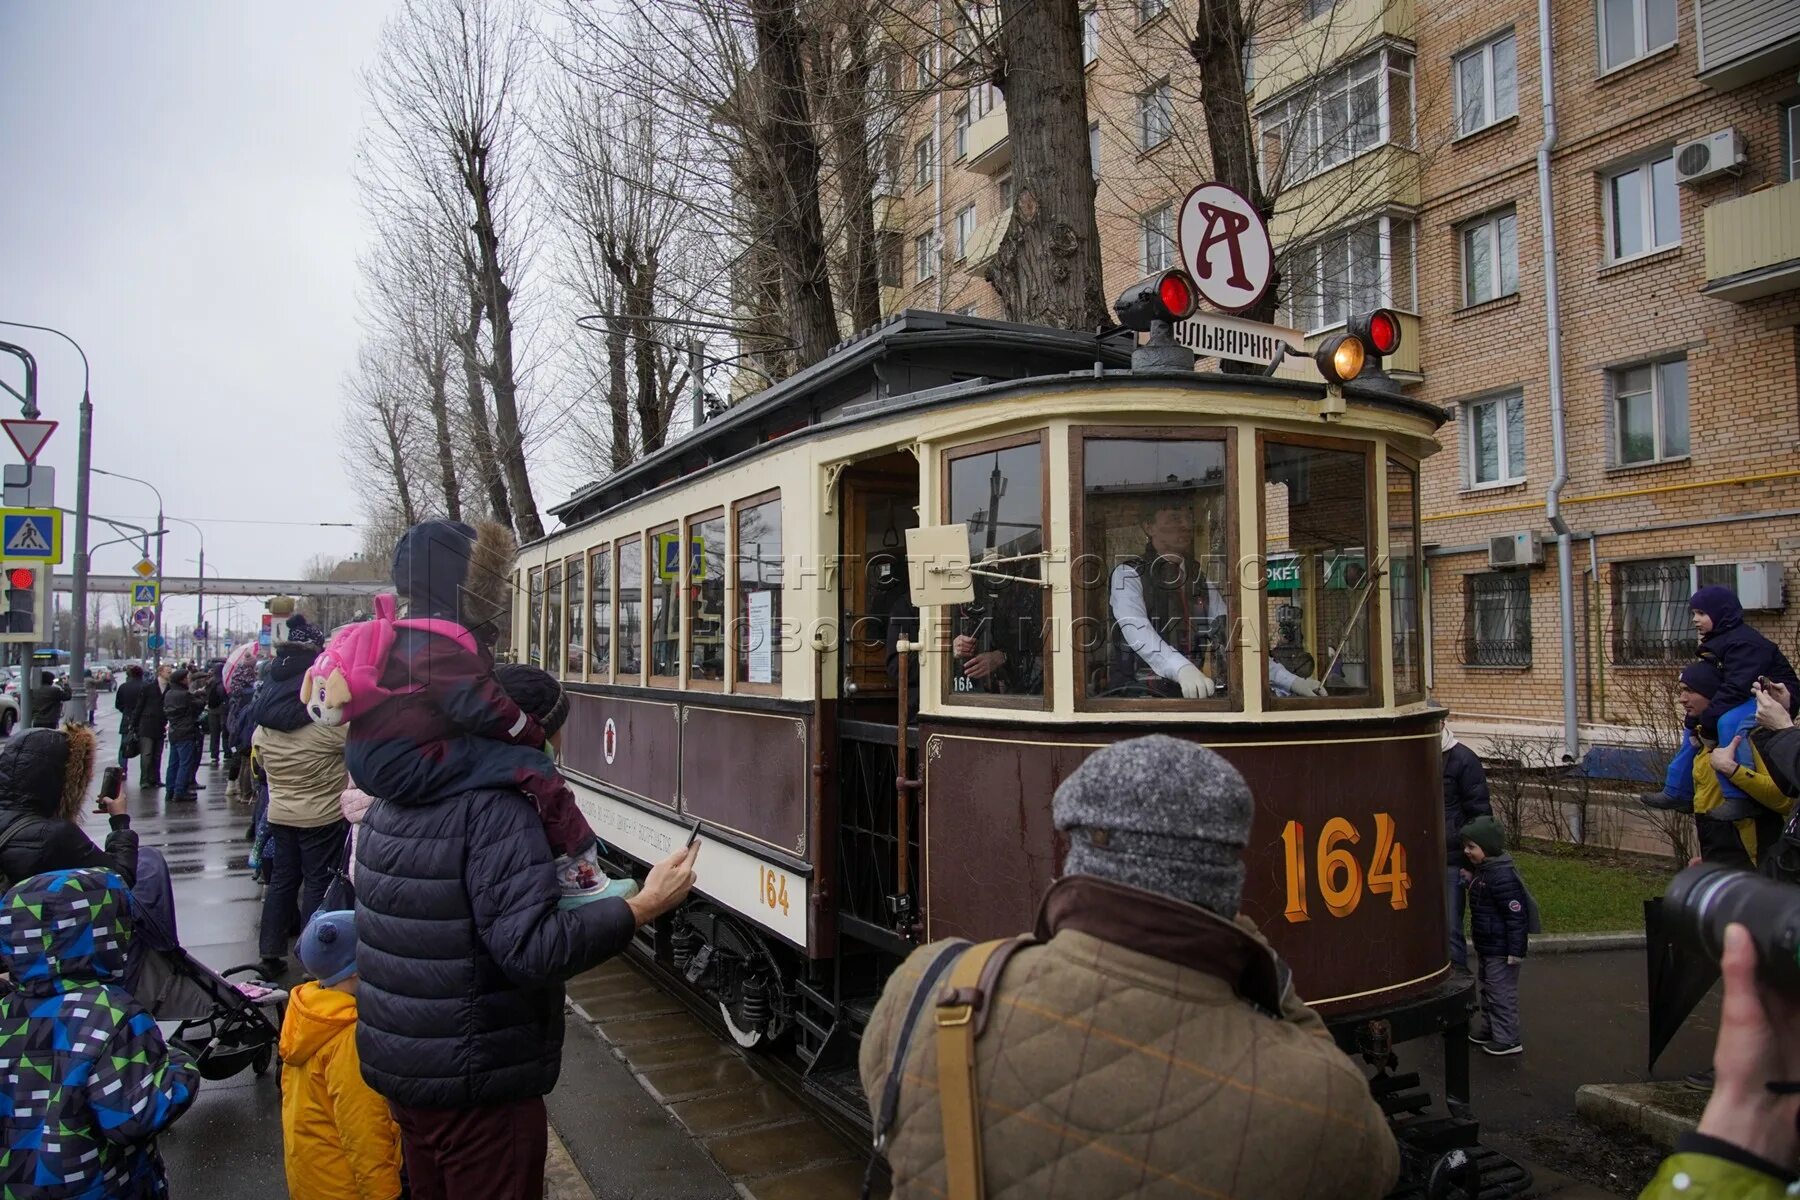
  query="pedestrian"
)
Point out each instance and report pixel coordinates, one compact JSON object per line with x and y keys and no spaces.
{"x":1465,"y":798}
{"x":47,"y":700}
{"x":337,"y":1137}
{"x":150,"y":720}
{"x":462,"y":950}
{"x":182,"y":710}
{"x":44,"y":778}
{"x":125,"y":702}
{"x":1501,"y":915}
{"x":1741,"y":653}
{"x":91,"y":1082}
{"x":216,"y":700}
{"x":303,"y":764}
{"x":1143,"y":1016}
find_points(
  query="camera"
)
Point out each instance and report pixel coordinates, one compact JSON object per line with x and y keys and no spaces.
{"x":1703,"y":900}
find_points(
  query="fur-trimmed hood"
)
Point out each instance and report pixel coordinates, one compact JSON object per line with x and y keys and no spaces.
{"x":456,"y":572}
{"x":46,"y":772}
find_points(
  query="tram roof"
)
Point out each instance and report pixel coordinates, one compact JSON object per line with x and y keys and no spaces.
{"x":914,"y":356}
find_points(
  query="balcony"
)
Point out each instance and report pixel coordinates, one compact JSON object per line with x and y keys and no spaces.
{"x":989,"y":149}
{"x":1347,"y":27}
{"x":985,"y":242}
{"x":1742,"y":41}
{"x":1753,"y":244}
{"x":890,"y":212}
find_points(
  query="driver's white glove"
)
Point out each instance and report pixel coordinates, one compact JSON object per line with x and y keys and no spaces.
{"x":1307,"y":687}
{"x":1194,"y":683}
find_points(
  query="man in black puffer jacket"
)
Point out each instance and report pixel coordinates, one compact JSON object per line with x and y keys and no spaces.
{"x":461,"y":953}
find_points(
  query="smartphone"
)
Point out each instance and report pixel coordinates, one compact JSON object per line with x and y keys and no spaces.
{"x":112,"y":782}
{"x":694,"y":834}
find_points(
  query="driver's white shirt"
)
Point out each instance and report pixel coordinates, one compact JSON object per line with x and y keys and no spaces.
{"x":1127,"y":597}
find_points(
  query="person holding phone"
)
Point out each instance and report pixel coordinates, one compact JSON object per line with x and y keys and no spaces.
{"x":44,"y":779}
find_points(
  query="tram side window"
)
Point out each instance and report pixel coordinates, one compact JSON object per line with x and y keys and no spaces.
{"x":534,"y":617}
{"x":759,"y":592}
{"x":1154,"y":578}
{"x":996,"y":640}
{"x":706,"y":592}
{"x":575,"y":613}
{"x":1403,"y":581}
{"x":1320,"y":599}
{"x":600,"y":612}
{"x":665,"y":602}
{"x":553,"y":610}
{"x":630,"y":641}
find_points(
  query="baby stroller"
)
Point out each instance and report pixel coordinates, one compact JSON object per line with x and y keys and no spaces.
{"x":226,"y":1026}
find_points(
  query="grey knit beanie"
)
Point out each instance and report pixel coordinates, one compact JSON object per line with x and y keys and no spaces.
{"x":1160,"y":814}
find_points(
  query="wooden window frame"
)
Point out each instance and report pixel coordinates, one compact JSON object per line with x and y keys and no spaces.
{"x":1079,"y":436}
{"x":733,"y":585}
{"x":1411,"y":465}
{"x":579,"y":562}
{"x":715,"y":513}
{"x":554,"y":667}
{"x":650,"y":536}
{"x":534,"y":614}
{"x":947,"y":456}
{"x":598,"y":672}
{"x":620,"y":546}
{"x":1377,"y":687}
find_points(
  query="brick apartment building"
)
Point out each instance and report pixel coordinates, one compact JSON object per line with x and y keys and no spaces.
{"x":1401,"y":137}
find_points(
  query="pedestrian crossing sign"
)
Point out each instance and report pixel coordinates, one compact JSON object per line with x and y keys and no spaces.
{"x":144,"y":594}
{"x":31,"y":533}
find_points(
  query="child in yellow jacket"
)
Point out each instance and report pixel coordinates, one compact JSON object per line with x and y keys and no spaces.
{"x":339,"y":1139}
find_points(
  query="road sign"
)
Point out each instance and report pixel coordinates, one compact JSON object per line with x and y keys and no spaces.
{"x":28,"y":436}
{"x":145,"y":593}
{"x":33,"y":533}
{"x":29,"y":487}
{"x":143,"y":618}
{"x":155,"y":641}
{"x":1214,"y":335}
{"x":144,"y":569}
{"x":1225,"y":246}
{"x":25,"y":613}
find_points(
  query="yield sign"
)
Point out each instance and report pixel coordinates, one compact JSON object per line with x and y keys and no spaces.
{"x":28,"y":436}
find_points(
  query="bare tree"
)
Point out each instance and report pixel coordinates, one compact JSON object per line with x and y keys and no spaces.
{"x":382,"y":431}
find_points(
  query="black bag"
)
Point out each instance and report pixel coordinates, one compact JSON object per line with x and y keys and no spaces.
{"x":234,"y":763}
{"x":130,"y":746}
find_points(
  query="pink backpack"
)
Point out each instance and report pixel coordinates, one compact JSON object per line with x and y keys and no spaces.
{"x":344,"y":681}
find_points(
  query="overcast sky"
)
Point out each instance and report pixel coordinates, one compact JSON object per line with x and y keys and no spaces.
{"x":176,"y":193}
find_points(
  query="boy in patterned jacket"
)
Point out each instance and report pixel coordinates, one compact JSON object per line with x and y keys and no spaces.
{"x":86,"y":1080}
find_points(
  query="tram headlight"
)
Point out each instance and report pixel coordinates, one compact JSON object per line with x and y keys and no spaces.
{"x":1166,"y":296}
{"x":1340,"y":359}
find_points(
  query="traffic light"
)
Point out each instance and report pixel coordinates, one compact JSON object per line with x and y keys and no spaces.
{"x":1367,"y":338}
{"x":25,"y":618}
{"x":1166,"y":296}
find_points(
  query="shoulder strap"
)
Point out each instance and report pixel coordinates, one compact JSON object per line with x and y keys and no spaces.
{"x":890,"y":1093}
{"x":6,"y":836}
{"x":962,"y":1013}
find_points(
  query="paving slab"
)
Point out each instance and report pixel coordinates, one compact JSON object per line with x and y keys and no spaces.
{"x":777,"y":1149}
{"x":835,"y":1181}
{"x":1661,"y":1112}
{"x":634,"y":1031}
{"x":762,"y":1105}
{"x":684,"y":1081}
{"x":649,"y":1055}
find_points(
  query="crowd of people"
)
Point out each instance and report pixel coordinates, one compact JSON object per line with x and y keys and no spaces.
{"x":426,"y":864}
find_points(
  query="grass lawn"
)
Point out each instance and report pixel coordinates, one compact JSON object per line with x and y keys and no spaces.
{"x":1581,"y":893}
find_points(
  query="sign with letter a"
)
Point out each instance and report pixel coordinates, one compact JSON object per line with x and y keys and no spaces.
{"x":1225,"y":246}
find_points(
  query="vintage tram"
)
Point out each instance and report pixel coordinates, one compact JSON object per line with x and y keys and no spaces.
{"x":724,"y":614}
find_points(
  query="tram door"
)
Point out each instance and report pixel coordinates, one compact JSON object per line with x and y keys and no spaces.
{"x":880,"y":503}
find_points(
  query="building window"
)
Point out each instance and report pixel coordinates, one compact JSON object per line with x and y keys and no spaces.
{"x":1497,"y":619}
{"x":892,"y":272}
{"x":1156,"y":239}
{"x":1650,"y":611}
{"x":1495,"y":443}
{"x":924,"y":262}
{"x":923,"y":174}
{"x":1490,"y":257}
{"x":1630,"y":29}
{"x":1650,"y":411}
{"x":1149,"y":10}
{"x":1643,"y":210}
{"x":961,"y":136}
{"x":888,"y":159}
{"x":982,"y":99}
{"x":1156,"y":115}
{"x":1487,"y":84}
{"x":1363,"y":266}
{"x":1006,"y":191}
{"x":922,"y":67}
{"x":1312,"y":10}
{"x":1090,"y":34}
{"x":1339,"y":116}
{"x":1094,"y":149}
{"x":1790,"y":125}
{"x":965,"y":230}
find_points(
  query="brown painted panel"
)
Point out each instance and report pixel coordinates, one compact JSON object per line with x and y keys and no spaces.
{"x":748,"y":772}
{"x":646,"y":749}
{"x":991,"y":849}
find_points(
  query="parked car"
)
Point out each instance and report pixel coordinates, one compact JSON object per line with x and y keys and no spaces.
{"x":9,"y":713}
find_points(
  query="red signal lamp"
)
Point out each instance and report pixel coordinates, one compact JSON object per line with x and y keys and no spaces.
{"x":1176,"y":291}
{"x":1166,"y":296}
{"x":21,"y":579}
{"x":1378,"y":329}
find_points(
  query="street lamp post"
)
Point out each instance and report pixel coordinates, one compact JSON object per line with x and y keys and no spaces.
{"x":199,"y":609}
{"x":156,"y":653}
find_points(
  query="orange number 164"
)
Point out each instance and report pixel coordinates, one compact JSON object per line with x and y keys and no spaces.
{"x":1340,"y":876}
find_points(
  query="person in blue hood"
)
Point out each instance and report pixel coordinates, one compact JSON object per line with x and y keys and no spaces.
{"x":90,"y":1081}
{"x":1740,"y":652}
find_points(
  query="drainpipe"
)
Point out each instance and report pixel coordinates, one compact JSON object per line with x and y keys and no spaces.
{"x":940,"y":59}
{"x":1558,"y":442}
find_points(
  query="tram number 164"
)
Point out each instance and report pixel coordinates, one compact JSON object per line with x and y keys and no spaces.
{"x":1340,"y":875}
{"x":773,"y":886}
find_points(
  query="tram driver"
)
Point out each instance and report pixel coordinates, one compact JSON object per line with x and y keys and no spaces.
{"x":1169,"y":621}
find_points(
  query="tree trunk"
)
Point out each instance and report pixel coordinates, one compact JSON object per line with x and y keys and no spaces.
{"x":1220,"y":35}
{"x":1047,"y":270}
{"x":788,"y":140}
{"x":618,"y":390}
{"x":846,"y":97}
{"x":479,"y":432}
{"x":398,"y":459}
{"x":438,"y":369}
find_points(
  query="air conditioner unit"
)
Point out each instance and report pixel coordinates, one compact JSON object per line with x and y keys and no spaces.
{"x":1758,"y":584}
{"x":1714,"y":154}
{"x":1515,"y":550}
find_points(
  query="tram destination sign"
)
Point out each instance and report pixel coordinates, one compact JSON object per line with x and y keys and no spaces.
{"x":1215,"y":335}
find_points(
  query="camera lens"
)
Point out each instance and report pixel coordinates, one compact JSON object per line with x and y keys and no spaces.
{"x":1703,"y":900}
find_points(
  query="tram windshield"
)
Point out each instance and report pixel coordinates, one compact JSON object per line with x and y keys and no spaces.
{"x":1156,"y":572}
{"x":1320,"y":595}
{"x":996,"y":640}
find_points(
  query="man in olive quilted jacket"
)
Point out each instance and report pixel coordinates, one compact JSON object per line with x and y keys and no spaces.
{"x":1150,"y":1044}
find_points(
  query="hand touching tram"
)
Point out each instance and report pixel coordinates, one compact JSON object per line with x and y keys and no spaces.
{"x":666,"y":886}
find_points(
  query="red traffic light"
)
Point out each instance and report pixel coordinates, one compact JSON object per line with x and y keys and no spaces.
{"x":1166,"y":296}
{"x":1378,"y":329}
{"x":21,"y":579}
